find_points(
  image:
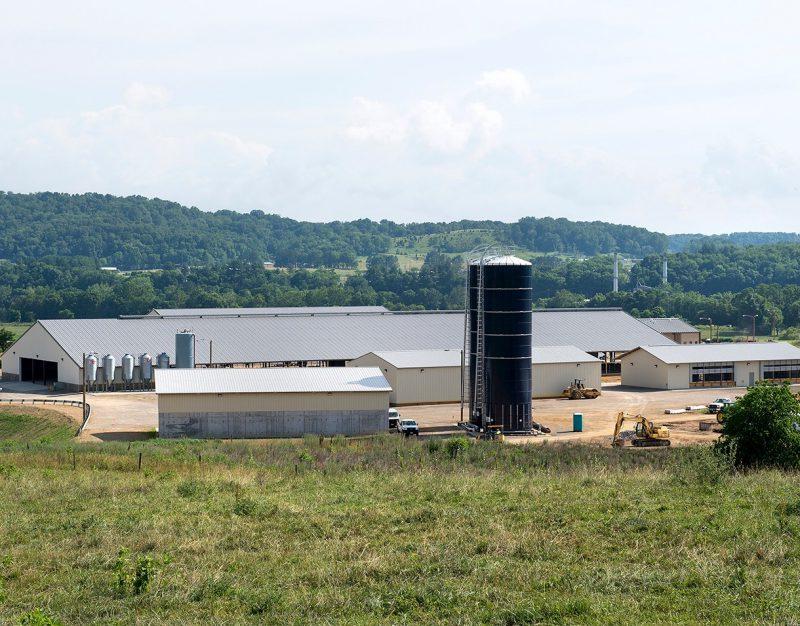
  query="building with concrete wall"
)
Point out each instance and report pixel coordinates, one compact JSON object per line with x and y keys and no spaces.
{"x":271,"y":402}
{"x":674,"y":329}
{"x":710,"y":365}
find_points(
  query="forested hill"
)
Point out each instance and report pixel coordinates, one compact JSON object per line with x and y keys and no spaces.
{"x":140,"y":233}
{"x":696,"y":242}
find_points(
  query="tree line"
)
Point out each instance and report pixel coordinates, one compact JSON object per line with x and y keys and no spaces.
{"x":140,"y":233}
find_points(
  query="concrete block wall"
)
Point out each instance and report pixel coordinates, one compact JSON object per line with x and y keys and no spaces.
{"x":267,"y":424}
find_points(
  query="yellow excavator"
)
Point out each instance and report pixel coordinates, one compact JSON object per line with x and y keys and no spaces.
{"x":645,"y":435}
{"x":578,"y":391}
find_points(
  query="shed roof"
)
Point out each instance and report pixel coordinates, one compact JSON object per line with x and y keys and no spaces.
{"x":593,"y":330}
{"x":402,"y":359}
{"x":668,"y":325}
{"x":342,"y":336}
{"x":724,"y":352}
{"x":286,"y":310}
{"x":271,"y":380}
{"x":561,"y":354}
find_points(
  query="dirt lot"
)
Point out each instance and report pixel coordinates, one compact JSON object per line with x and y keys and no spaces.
{"x":126,"y":416}
{"x":598,"y":415}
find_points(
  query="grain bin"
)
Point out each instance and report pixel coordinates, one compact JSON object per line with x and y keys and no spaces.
{"x":109,"y":368}
{"x":128,"y":363}
{"x":184,"y":349}
{"x":146,"y":367}
{"x":499,"y":334}
{"x":163,"y":360}
{"x":90,"y":368}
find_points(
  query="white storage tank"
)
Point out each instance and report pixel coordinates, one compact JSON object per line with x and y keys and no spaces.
{"x":109,"y":367}
{"x":128,"y":363}
{"x":90,"y":367}
{"x":146,"y":367}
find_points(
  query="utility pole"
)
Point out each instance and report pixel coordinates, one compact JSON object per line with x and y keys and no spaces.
{"x":616,"y":272}
{"x":710,"y":327}
{"x":753,"y":318}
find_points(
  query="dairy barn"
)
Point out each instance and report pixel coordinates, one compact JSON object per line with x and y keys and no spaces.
{"x":51,"y":351}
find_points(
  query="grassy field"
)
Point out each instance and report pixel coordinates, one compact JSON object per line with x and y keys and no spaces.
{"x":387,"y":531}
{"x":33,"y":424}
{"x":15,"y":328}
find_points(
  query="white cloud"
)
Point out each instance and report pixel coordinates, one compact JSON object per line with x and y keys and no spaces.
{"x":141,"y":95}
{"x":508,"y":82}
{"x":376,"y":121}
{"x":133,"y":148}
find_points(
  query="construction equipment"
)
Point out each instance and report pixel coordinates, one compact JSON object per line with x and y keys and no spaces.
{"x":578,"y":391}
{"x":645,"y":434}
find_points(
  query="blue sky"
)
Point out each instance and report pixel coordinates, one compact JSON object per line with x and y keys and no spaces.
{"x":679,"y":116}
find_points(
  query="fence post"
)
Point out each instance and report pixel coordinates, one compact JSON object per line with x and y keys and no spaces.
{"x":140,"y":461}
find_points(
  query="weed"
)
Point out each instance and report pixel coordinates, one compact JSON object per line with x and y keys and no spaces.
{"x":37,"y":617}
{"x":244,"y":506}
{"x":133,"y":578}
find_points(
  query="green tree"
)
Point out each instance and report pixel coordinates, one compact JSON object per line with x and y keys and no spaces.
{"x":6,"y":339}
{"x":763,"y":428}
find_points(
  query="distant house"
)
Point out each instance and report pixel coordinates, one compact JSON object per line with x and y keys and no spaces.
{"x":673,"y":328}
{"x":109,"y":268}
{"x":269,"y":265}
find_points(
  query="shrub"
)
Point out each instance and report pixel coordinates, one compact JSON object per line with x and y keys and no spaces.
{"x":763,"y":428}
{"x":456,"y":446}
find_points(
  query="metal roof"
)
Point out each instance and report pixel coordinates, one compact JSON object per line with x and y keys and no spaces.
{"x":724,"y":352}
{"x":257,"y":339}
{"x":593,"y":330}
{"x":271,"y":380}
{"x":288,"y":310}
{"x":668,"y":324}
{"x":561,"y":354}
{"x":402,"y":359}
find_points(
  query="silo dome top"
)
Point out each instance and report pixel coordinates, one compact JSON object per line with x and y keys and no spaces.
{"x":504,"y":260}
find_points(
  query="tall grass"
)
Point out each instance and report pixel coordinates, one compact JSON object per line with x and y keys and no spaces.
{"x":389,"y":530}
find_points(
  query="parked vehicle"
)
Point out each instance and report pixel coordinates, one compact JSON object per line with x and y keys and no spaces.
{"x":394,"y":418}
{"x":407,"y":427}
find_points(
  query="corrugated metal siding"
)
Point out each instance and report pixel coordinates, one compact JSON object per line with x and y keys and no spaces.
{"x":428,"y":385}
{"x":724,"y":352}
{"x":290,"y":310}
{"x":270,"y":380}
{"x":232,"y":403}
{"x":549,"y":380}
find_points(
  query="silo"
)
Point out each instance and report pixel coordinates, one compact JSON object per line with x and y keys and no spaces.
{"x":184,"y":349}
{"x":146,"y":367}
{"x":128,"y":363}
{"x":109,"y":367}
{"x":90,"y":368}
{"x":163,"y":360}
{"x":503,"y":314}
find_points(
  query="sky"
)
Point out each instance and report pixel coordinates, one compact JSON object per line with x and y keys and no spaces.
{"x":676,"y":116}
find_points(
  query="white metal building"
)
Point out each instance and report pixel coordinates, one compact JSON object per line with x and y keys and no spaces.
{"x":418,"y":376}
{"x":271,"y":402}
{"x":555,"y":367}
{"x":434,"y":376}
{"x":710,"y":365}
